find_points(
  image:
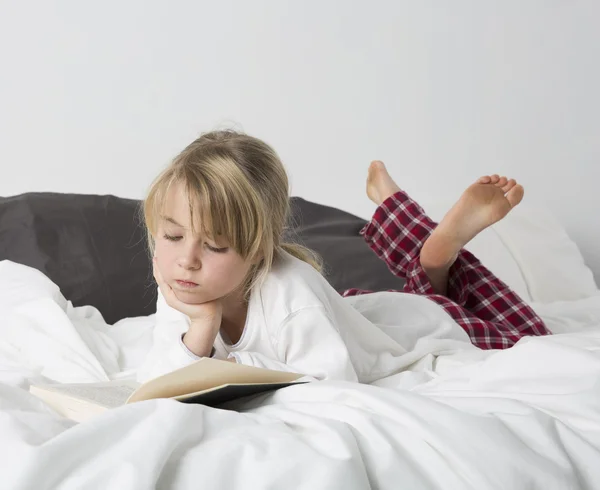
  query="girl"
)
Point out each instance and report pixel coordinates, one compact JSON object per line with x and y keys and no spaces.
{"x":229,"y":287}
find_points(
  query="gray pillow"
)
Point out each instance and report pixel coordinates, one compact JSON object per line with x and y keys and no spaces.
{"x":94,"y":248}
{"x":334,"y":234}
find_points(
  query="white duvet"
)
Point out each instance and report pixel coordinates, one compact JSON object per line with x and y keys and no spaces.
{"x":523,"y":418}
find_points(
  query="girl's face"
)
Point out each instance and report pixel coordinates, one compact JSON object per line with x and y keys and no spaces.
{"x":198,"y":269}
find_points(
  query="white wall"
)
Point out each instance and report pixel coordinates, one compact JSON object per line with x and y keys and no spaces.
{"x":96,"y":97}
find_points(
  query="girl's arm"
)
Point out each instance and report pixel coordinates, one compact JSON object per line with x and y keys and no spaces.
{"x":309,"y":343}
{"x":168,"y":352}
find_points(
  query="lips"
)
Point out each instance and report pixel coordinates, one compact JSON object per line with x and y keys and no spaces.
{"x":186,"y":284}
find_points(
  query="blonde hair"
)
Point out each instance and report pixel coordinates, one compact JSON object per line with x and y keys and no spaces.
{"x":238,"y":188}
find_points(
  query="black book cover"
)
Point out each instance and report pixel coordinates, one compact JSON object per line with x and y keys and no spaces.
{"x":231,"y":392}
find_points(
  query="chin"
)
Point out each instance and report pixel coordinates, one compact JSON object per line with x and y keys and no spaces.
{"x":190,"y":297}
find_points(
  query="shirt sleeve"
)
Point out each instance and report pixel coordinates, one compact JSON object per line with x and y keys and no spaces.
{"x":307,"y":342}
{"x":168,"y":352}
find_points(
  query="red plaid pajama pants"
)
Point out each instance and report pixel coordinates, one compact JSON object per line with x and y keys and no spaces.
{"x":491,"y":313}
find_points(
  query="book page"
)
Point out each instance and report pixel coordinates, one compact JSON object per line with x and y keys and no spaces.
{"x":205,"y":374}
{"x":109,"y":395}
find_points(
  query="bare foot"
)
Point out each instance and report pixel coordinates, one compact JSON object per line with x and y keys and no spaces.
{"x":484,"y":203}
{"x":380,"y":185}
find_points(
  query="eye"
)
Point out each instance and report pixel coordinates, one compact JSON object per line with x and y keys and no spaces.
{"x":217,"y":250}
{"x":172,"y":238}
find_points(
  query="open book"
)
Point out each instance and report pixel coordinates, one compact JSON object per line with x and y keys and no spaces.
{"x":207,"y":381}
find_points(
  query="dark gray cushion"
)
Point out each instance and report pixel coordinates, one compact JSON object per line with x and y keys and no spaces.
{"x":334,"y":234}
{"x":94,"y":248}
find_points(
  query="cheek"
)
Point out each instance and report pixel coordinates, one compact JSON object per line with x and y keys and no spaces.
{"x":225,"y":272}
{"x":164,"y":254}
{"x":159,"y":249}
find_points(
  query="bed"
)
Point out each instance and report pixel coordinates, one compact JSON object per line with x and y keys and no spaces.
{"x":77,"y":304}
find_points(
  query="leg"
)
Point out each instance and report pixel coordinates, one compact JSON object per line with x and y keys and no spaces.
{"x":399,"y":226}
{"x":402,"y":235}
{"x":484,"y":203}
{"x":491,"y":313}
{"x":487,"y":201}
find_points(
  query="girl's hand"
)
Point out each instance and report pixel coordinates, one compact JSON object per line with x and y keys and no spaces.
{"x":200,"y":314}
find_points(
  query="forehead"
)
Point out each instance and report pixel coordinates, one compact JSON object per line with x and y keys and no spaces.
{"x":176,"y":207}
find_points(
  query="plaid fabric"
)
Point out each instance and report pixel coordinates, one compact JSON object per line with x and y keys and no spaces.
{"x":491,"y":313}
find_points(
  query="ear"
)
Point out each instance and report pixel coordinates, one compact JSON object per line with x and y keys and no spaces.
{"x":257,"y":259}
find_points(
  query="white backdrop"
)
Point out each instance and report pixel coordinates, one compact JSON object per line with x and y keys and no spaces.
{"x":96,"y":97}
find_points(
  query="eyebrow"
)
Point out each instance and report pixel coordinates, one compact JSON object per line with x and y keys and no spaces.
{"x":171,"y":220}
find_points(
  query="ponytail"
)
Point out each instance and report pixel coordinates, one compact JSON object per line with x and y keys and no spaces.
{"x":305,"y":254}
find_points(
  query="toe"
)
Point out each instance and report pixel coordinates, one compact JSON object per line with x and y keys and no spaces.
{"x":515,"y":195}
{"x":509,"y":185}
{"x":494,"y":179}
{"x":484,"y":180}
{"x":376,"y":168}
{"x":372,"y":170}
{"x":377,"y":164}
{"x":502,"y":182}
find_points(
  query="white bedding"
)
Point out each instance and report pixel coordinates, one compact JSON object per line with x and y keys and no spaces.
{"x":524,"y":418}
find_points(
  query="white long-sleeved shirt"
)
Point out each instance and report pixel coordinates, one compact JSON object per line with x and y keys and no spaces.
{"x":297,"y":322}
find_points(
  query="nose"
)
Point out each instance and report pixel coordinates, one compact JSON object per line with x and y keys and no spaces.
{"x":189,"y":258}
